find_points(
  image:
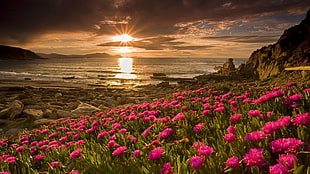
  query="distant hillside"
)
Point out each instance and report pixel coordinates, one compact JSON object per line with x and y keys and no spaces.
{"x":291,"y":50}
{"x":14,"y":53}
{"x":54,"y":55}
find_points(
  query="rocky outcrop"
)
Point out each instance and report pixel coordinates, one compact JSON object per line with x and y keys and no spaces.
{"x":228,"y":69}
{"x":8,"y":53}
{"x":292,"y":49}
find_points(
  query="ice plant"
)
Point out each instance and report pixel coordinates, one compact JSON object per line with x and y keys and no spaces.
{"x":136,"y":153}
{"x":205,"y":150}
{"x":119,"y":151}
{"x":164,"y":134}
{"x":254,"y":113}
{"x":302,"y":119}
{"x":233,"y":162}
{"x":198,"y":127}
{"x":39,"y":157}
{"x":196,"y":161}
{"x":230,"y":137}
{"x":255,"y":136}
{"x":288,"y":160}
{"x":167,"y":169}
{"x":76,"y":153}
{"x":156,"y":153}
{"x":235,"y":117}
{"x":254,"y":158}
{"x":287,"y":145}
{"x":278,"y":169}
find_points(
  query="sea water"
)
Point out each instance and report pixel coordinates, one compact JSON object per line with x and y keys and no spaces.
{"x":108,"y":71}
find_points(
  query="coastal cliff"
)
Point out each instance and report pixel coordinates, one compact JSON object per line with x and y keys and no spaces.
{"x":12,"y":53}
{"x":292,"y":49}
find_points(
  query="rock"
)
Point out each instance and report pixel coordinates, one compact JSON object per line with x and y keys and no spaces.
{"x":58,"y":95}
{"x":84,"y":109}
{"x":33,"y":113}
{"x":13,"y":131}
{"x":29,"y":101}
{"x":63,"y":113}
{"x":48,"y":113}
{"x":228,"y":68}
{"x":42,"y":121}
{"x":15,"y":108}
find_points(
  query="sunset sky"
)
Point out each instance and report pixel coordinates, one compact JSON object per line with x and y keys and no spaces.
{"x":148,"y":28}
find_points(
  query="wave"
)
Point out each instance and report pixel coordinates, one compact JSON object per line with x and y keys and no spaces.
{"x":26,"y":74}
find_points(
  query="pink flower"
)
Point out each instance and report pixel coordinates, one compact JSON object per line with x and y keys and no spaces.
{"x":5,"y":173}
{"x":75,"y":153}
{"x":230,"y":137}
{"x":255,"y":136}
{"x":254,"y":113}
{"x":54,"y":164}
{"x":271,"y":127}
{"x":302,"y":119}
{"x":63,"y":139}
{"x":290,"y":84}
{"x":196,"y":161}
{"x":231,"y":129}
{"x":205,"y":112}
{"x":164,"y":134}
{"x":20,"y":148}
{"x":288,"y":160}
{"x":102,"y":134}
{"x":167,"y":169}
{"x":294,"y":97}
{"x":136,"y":153}
{"x":53,"y":135}
{"x":235,"y":117}
{"x":111,"y":143}
{"x":205,"y":150}
{"x":123,"y":131}
{"x":156,"y":153}
{"x":39,"y":157}
{"x":198,"y":127}
{"x":254,"y":157}
{"x":307,"y":90}
{"x":179,"y":116}
{"x":233,"y":162}
{"x":119,"y":151}
{"x":284,"y":121}
{"x":278,"y":169}
{"x":287,"y":145}
{"x":11,"y":159}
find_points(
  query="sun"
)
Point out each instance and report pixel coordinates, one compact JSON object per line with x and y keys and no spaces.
{"x":123,"y":38}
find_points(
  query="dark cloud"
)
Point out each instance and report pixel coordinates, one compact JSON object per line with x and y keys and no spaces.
{"x":23,"y":20}
{"x":158,"y":43}
{"x":246,"y":39}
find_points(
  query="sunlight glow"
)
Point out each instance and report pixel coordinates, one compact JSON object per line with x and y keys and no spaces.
{"x":126,"y":69}
{"x":123,"y":38}
{"x":123,"y":50}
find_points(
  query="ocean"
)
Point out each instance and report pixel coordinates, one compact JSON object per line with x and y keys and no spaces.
{"x":108,"y":71}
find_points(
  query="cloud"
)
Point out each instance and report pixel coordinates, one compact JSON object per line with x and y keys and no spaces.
{"x":156,"y":43}
{"x":23,"y":21}
{"x":246,"y":39}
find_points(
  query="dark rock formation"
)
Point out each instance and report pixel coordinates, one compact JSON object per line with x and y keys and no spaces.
{"x":228,"y":69}
{"x":8,"y":53}
{"x":292,"y":49}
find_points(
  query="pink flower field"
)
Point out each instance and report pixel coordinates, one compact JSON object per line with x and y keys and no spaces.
{"x":198,"y":131}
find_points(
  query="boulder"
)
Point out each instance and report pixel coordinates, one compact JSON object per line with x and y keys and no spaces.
{"x":15,"y":108}
{"x":84,"y":109}
{"x":63,"y":113}
{"x":33,"y":113}
{"x":228,"y":69}
{"x":48,"y":113}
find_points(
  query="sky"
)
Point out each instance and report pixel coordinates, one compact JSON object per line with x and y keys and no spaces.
{"x":148,"y":28}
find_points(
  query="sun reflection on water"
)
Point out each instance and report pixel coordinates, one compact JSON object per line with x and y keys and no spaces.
{"x":126,"y":69}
